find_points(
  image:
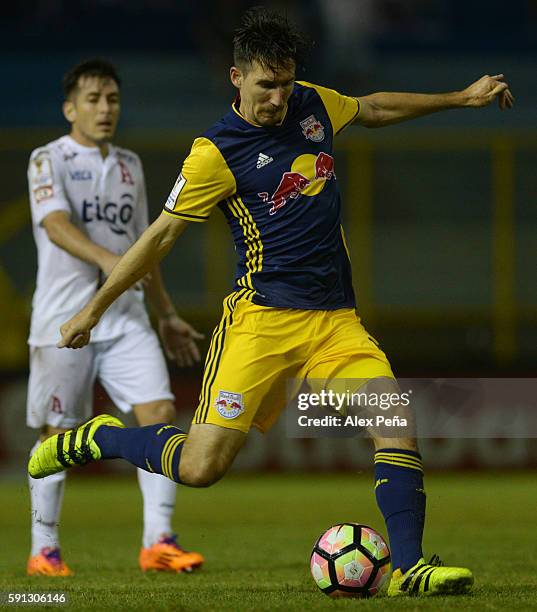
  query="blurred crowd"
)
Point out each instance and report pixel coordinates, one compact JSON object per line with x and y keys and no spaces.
{"x":348,"y":36}
{"x":352,"y":45}
{"x":205,"y":25}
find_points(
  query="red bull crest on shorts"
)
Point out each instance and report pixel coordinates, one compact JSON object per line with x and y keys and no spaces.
{"x":229,"y":404}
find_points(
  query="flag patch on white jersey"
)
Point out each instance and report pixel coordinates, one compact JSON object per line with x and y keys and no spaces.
{"x":263,"y":160}
{"x":41,"y":177}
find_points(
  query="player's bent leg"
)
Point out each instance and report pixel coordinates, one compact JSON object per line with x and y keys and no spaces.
{"x":160,"y":550}
{"x":208,"y":453}
{"x":155,"y":448}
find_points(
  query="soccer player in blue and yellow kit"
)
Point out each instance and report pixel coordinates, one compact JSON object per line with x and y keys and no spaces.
{"x":268,"y":165}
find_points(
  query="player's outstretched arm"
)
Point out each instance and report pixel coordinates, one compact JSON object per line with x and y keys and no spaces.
{"x":140,"y":259}
{"x":385,"y":108}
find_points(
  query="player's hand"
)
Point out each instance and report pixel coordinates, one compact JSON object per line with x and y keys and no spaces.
{"x":486,"y":90}
{"x":179,"y":340}
{"x":77,"y":331}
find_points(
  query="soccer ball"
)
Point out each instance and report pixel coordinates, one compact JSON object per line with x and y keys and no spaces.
{"x":350,"y":560}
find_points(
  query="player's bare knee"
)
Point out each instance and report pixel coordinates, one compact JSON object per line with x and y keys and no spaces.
{"x":201,"y":473}
{"x":208,"y":453}
{"x":164,"y":412}
{"x":155,"y":412}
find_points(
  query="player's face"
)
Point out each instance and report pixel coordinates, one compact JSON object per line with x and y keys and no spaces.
{"x":93,"y":110}
{"x":264,"y":93}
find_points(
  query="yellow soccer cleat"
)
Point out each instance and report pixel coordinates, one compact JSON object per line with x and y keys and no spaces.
{"x":430,"y":579}
{"x":73,"y":447}
{"x":47,"y":563}
{"x":167,"y":556}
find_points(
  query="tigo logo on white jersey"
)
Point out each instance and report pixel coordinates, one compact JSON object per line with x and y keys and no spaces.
{"x":263,"y":160}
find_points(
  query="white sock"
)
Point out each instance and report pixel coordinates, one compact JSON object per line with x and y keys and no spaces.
{"x":46,"y":496}
{"x":159,"y":503}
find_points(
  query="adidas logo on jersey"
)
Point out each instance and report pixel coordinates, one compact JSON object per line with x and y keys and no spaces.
{"x":263,"y":160}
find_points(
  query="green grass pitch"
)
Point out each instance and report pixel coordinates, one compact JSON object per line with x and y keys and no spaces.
{"x":257,"y":532}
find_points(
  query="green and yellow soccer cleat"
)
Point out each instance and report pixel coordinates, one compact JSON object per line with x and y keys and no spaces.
{"x":73,"y":447}
{"x":430,"y":579}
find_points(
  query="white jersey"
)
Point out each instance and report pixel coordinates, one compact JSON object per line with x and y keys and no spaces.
{"x":106,"y":199}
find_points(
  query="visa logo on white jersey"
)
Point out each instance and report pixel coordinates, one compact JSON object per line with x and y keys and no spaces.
{"x":116,"y":216}
{"x":80,"y":175}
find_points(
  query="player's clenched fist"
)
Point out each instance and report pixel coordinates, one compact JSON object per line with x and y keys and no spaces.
{"x":487,"y":89}
{"x":77,"y":331}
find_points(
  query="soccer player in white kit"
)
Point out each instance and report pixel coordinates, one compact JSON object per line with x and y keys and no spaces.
{"x":89,"y":204}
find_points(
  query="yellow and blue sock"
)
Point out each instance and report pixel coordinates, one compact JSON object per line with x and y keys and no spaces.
{"x":401,"y":499}
{"x":155,"y":448}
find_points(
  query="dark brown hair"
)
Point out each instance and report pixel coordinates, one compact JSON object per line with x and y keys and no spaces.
{"x":93,"y":67}
{"x":268,"y":38}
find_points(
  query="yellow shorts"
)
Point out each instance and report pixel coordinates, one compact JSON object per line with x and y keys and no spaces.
{"x":256,"y":350}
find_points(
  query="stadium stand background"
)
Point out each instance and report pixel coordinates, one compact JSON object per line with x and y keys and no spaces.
{"x":440,"y":212}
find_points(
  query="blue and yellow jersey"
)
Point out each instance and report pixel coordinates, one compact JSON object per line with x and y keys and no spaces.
{"x":278,"y":189}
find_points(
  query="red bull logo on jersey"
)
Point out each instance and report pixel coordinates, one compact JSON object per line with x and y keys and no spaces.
{"x":229,"y":404}
{"x":312,"y":129}
{"x":307,"y":179}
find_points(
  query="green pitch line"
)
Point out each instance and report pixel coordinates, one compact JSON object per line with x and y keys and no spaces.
{"x":257,"y":533}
